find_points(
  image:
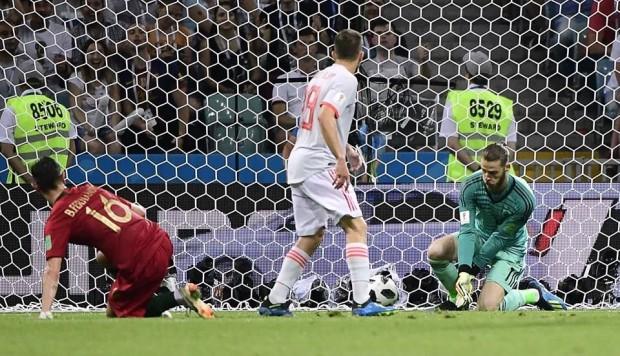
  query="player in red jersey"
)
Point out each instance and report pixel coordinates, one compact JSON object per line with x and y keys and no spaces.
{"x":136,"y":247}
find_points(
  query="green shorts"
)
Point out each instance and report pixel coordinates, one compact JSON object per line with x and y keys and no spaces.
{"x":504,"y":271}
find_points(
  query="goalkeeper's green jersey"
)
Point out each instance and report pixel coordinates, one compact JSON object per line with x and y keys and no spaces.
{"x":493,"y":225}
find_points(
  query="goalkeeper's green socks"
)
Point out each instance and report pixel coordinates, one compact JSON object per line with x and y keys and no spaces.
{"x":518,"y":298}
{"x":447,"y":274}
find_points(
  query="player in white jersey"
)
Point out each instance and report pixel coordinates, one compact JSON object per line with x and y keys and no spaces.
{"x":319,"y":180}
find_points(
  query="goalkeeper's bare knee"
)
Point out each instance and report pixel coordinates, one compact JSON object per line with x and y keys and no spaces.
{"x":441,"y":249}
{"x":488,"y":305}
{"x":491,"y":297}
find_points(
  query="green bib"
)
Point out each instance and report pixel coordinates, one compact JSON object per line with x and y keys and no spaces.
{"x":482,"y":117}
{"x":42,"y":129}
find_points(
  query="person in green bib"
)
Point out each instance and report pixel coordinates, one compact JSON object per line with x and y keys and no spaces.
{"x":475,"y":117}
{"x":33,"y":126}
{"x":494,"y":208}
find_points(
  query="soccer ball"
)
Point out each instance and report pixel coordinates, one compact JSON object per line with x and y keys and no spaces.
{"x":383,"y":290}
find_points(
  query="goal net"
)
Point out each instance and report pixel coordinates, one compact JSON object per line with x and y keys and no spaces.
{"x":187,"y":107}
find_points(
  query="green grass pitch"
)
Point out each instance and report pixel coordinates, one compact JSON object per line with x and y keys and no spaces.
{"x":526,"y":333}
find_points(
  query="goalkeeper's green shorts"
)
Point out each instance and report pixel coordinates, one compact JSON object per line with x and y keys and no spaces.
{"x":506,"y":269}
{"x":505,"y":273}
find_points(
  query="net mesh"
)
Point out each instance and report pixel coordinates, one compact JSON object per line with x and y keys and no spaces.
{"x":187,"y":107}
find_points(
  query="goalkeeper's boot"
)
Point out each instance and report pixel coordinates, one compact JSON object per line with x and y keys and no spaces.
{"x":371,"y":308}
{"x":192,"y":298}
{"x":546,"y":300}
{"x":267,"y":308}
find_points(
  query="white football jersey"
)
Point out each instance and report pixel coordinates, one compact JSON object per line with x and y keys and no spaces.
{"x":335,"y":87}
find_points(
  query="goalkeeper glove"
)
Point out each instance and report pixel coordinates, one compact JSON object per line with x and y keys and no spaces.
{"x":464,"y":286}
{"x":464,"y":289}
{"x":46,"y":315}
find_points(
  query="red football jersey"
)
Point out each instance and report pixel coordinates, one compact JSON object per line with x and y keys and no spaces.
{"x":92,"y":216}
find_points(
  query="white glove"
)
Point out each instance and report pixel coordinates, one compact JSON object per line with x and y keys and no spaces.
{"x":46,"y":315}
{"x":464,"y":288}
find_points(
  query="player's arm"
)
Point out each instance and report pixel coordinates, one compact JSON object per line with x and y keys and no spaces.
{"x":73,"y":136}
{"x":291,"y":139}
{"x":511,"y":139}
{"x":467,"y":243}
{"x":329,"y":130}
{"x":57,"y":235}
{"x":467,"y":231}
{"x":512,"y":149}
{"x":71,"y":153}
{"x":50,"y":286}
{"x":449,"y":131}
{"x":17,"y":164}
{"x":7,"y":145}
{"x":506,"y":233}
{"x":184,"y":111}
{"x":462,"y":154}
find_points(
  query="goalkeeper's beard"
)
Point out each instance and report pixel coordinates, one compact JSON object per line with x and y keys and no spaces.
{"x":497,"y":186}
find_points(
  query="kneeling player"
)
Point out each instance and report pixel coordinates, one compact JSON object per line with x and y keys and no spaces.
{"x":494,"y":207}
{"x":137,"y":248}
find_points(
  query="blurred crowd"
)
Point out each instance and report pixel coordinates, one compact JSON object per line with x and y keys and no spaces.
{"x":166,"y":75}
{"x":160,"y":75}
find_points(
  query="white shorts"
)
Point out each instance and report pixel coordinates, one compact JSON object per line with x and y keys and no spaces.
{"x":315,"y":200}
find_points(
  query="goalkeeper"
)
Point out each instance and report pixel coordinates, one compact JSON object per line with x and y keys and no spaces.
{"x":494,"y":207}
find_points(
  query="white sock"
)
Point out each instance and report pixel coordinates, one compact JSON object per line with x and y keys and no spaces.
{"x":359,"y":266}
{"x":292,"y":267}
{"x":179,"y":297}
